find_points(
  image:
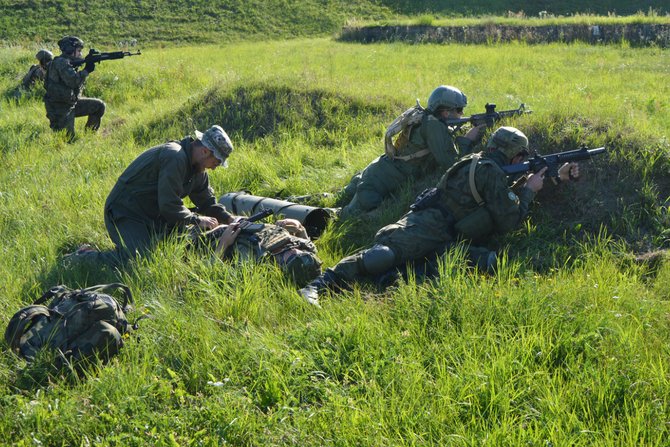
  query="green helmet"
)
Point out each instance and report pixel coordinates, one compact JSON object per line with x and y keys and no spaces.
{"x":44,"y":56}
{"x":446,"y":96}
{"x":69,"y":44}
{"x":303,"y":267}
{"x":508,"y":140}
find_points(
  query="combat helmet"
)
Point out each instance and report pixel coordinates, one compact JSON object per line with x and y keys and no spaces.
{"x":303,"y":267}
{"x":44,"y":56}
{"x":69,"y":44}
{"x":446,"y":97}
{"x":508,"y":140}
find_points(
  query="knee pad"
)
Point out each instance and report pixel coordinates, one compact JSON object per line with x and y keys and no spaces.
{"x":378,"y":259}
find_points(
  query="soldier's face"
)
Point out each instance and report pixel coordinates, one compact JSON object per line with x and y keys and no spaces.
{"x":77,"y":53}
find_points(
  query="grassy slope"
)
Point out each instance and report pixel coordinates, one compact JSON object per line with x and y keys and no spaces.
{"x":41,"y":22}
{"x":572,"y":355}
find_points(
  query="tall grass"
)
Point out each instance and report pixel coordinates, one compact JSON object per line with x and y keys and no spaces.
{"x":565,"y":345}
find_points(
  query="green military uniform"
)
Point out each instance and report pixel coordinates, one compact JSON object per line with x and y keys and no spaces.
{"x":35,"y":73}
{"x":258,"y":242}
{"x":62,"y":100}
{"x":430,"y":146}
{"x":420,"y":233}
{"x":146,"y":201}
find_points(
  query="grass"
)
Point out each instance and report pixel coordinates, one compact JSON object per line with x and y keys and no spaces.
{"x":565,"y":345}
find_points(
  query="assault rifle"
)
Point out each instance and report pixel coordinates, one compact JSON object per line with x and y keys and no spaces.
{"x":552,"y":161}
{"x":96,"y":56}
{"x":262,"y":214}
{"x":489,"y":117}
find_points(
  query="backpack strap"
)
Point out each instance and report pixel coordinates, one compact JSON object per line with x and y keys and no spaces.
{"x":21,"y":322}
{"x":52,"y":292}
{"x":127,"y":295}
{"x":471,"y":180}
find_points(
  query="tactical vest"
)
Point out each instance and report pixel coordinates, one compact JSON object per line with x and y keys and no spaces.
{"x":477,"y":224}
{"x":56,"y":89}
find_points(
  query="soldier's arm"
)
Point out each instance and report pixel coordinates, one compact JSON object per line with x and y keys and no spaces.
{"x":507,"y":208}
{"x":170,"y":190}
{"x":30,"y":77}
{"x":439,"y":142}
{"x":70,"y":77}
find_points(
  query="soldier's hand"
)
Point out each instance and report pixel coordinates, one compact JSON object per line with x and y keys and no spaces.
{"x":474,"y":133}
{"x":294,"y":227}
{"x":227,"y":238}
{"x":569,"y":171}
{"x":89,"y":67}
{"x":207,"y":223}
{"x":535,"y":181}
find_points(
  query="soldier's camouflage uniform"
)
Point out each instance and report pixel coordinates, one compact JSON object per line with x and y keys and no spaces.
{"x":420,"y":233}
{"x":146,"y":202}
{"x":63,"y":100}
{"x":384,"y":175}
{"x":36,"y":73}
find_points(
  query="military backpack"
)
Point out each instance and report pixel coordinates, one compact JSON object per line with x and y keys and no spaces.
{"x":402,"y":126}
{"x":79,"y":324}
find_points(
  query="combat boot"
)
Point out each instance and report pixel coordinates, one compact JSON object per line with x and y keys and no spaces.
{"x":326,"y":281}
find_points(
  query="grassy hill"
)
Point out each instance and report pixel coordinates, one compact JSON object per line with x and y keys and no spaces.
{"x":565,"y":345}
{"x":127,"y":22}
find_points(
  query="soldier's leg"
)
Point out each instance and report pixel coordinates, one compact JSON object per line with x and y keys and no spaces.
{"x":369,"y":262}
{"x":93,"y":108}
{"x":482,"y":258}
{"x":347,"y":193}
{"x":379,"y":179}
{"x":131,"y":236}
{"x":61,"y":117}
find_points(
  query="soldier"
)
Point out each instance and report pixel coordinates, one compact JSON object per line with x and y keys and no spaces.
{"x":285,"y":242}
{"x":64,"y":85}
{"x":428,"y":146}
{"x":38,"y":71}
{"x":471,"y":202}
{"x":146,"y":204}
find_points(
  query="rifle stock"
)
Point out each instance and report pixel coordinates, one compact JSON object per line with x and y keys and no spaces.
{"x":552,"y":161}
{"x":489,"y":117}
{"x":96,"y":56}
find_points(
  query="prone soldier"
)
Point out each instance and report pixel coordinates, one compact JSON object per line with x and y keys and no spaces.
{"x":472,"y":201}
{"x":419,"y":150}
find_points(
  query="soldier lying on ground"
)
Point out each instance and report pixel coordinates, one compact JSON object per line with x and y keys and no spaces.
{"x":471,"y":202}
{"x":422,"y":149}
{"x":285,"y":242}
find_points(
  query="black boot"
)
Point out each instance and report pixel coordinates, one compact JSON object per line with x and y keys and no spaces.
{"x":326,"y":281}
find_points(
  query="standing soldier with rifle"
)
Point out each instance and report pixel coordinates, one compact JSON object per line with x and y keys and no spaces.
{"x":471,"y":202}
{"x":64,"y":85}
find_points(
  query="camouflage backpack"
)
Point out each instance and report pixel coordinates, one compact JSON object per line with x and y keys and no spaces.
{"x":403,"y":125}
{"x":77,"y":324}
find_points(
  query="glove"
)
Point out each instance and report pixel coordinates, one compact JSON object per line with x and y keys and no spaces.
{"x":90,"y":67}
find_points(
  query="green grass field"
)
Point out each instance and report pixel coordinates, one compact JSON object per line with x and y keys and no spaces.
{"x":566,"y":345}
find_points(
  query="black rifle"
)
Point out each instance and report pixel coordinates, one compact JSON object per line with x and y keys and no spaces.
{"x":260,"y":215}
{"x":552,"y":161}
{"x":489,"y":117}
{"x":96,"y":56}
